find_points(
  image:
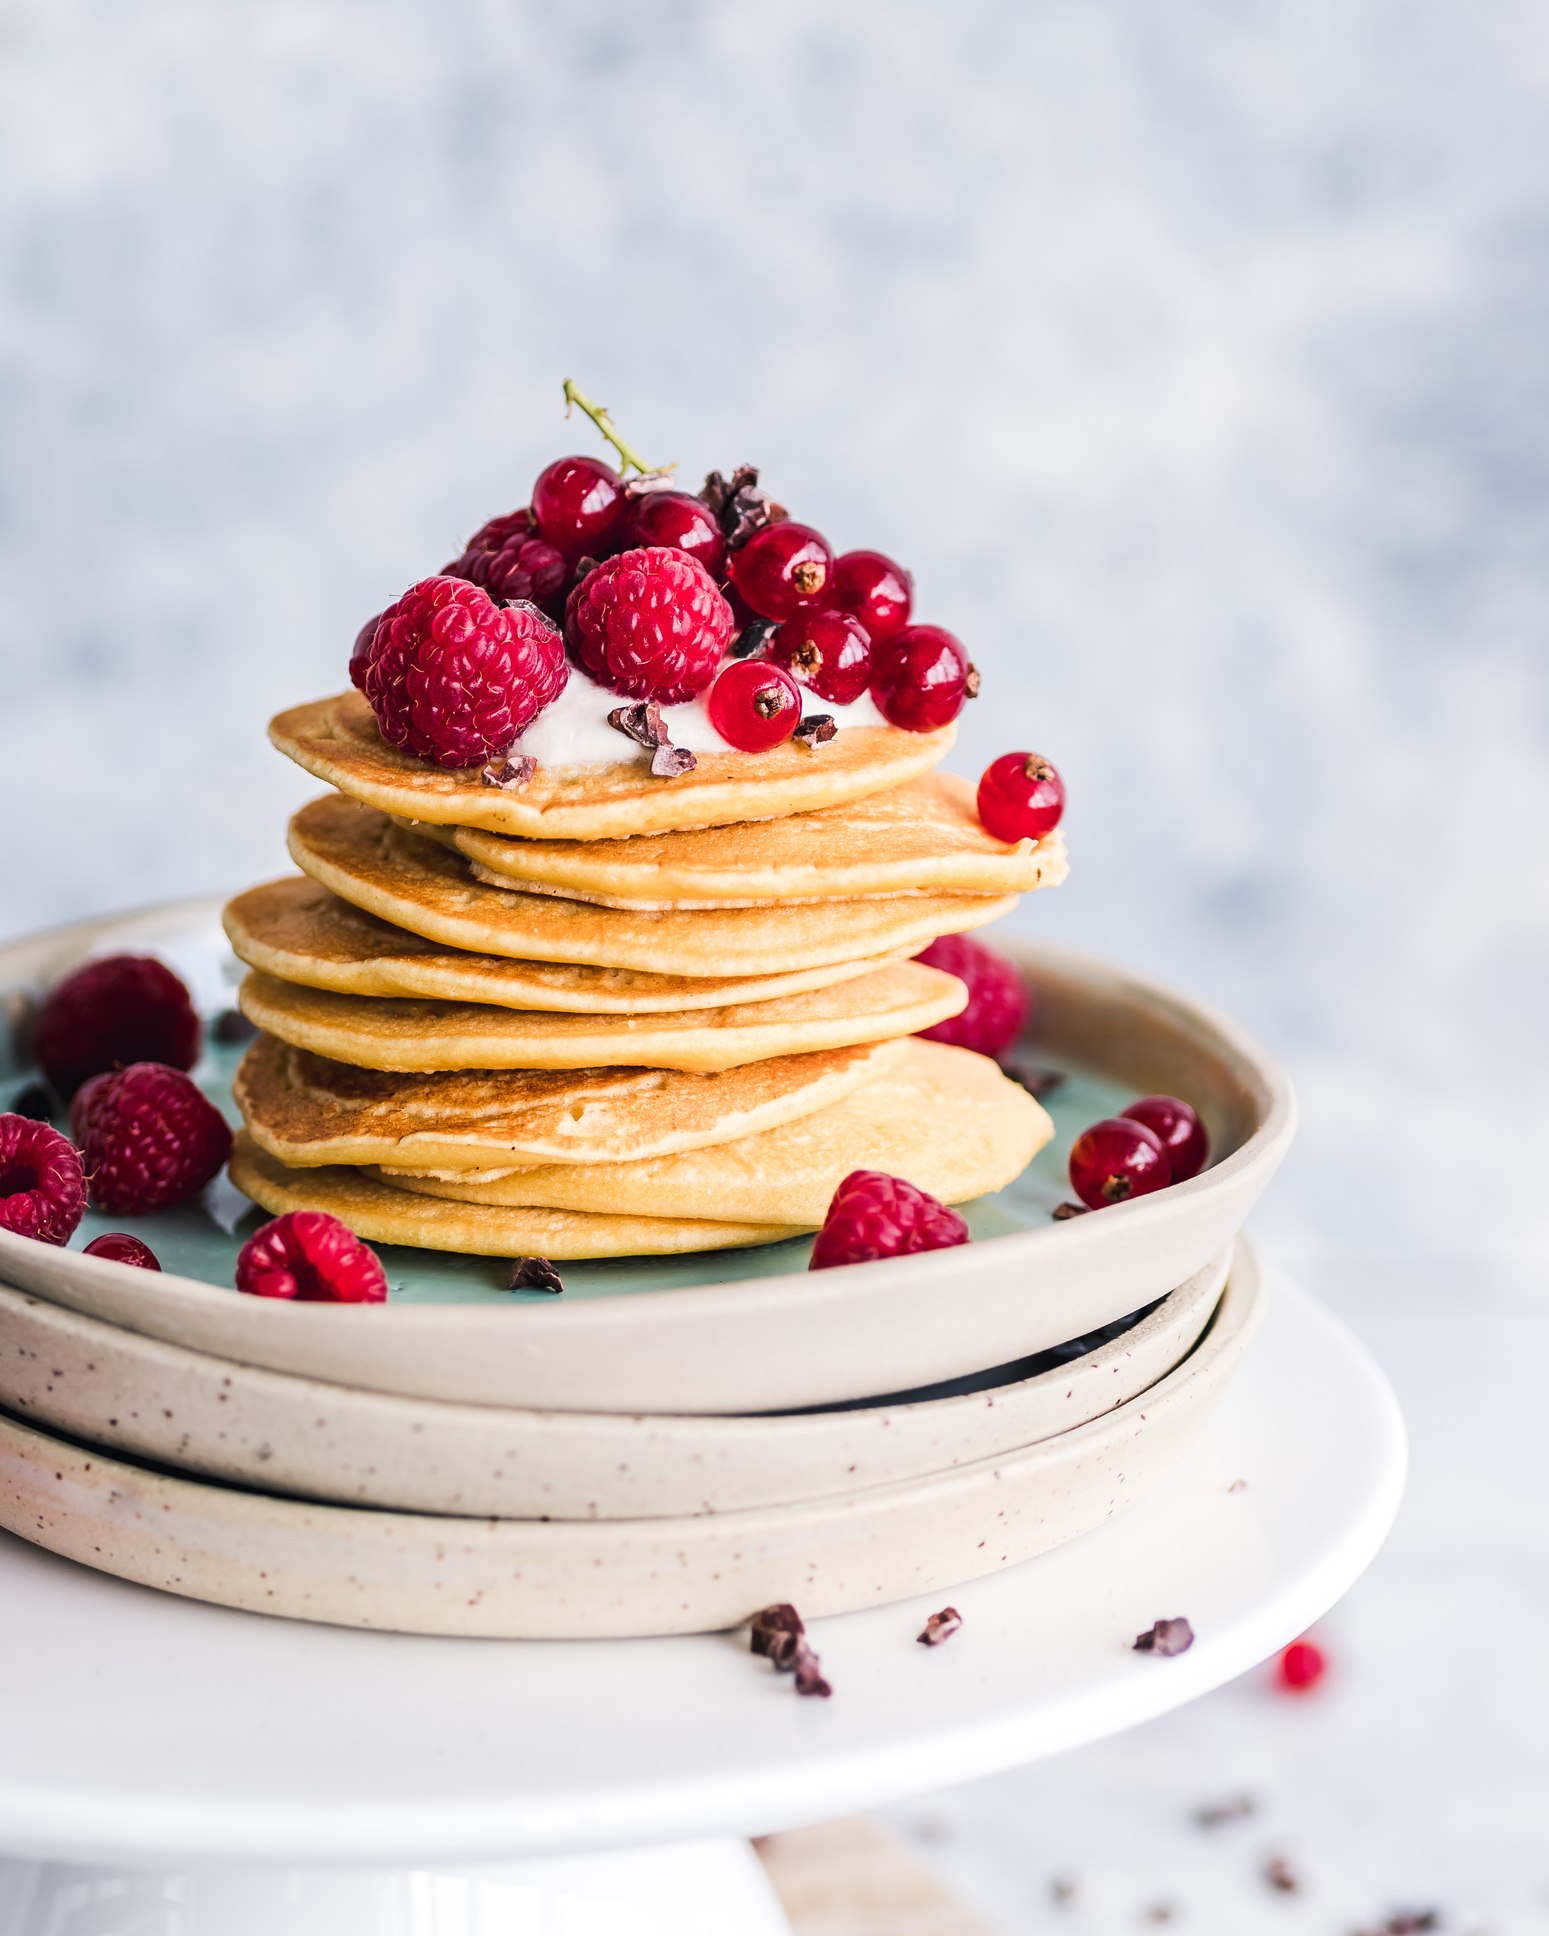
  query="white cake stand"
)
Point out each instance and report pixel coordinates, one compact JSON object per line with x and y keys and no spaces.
{"x":174,"y":1769}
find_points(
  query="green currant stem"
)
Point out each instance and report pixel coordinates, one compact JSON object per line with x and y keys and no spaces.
{"x":604,"y":423}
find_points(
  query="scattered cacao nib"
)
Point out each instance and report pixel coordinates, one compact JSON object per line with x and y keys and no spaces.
{"x":231,"y":1025}
{"x":509,"y":775}
{"x":667,"y":762}
{"x":753,"y":637}
{"x":972,"y":681}
{"x":34,"y":1102}
{"x":534,"y":611}
{"x":1406,"y":1922}
{"x":941,"y":1626}
{"x":1167,"y":1637}
{"x":739,"y":506}
{"x":809,"y":1673}
{"x":648,"y":481}
{"x":1160,"y":1912}
{"x":1279,"y":1874}
{"x":1065,"y":1211}
{"x":1037,"y":1082}
{"x":1238,"y":1485}
{"x":584,"y":567}
{"x":1063,"y":1891}
{"x":642,"y":724}
{"x":533,"y":1274}
{"x":815,"y":730}
{"x":1218,"y":1814}
{"x":774,"y":1633}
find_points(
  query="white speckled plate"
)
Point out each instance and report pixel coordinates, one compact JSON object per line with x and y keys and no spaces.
{"x":526,"y":1579}
{"x":293,"y":1435}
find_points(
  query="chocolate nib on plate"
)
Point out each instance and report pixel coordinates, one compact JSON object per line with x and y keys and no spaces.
{"x":941,"y":1626}
{"x":740,"y":507}
{"x":1066,"y":1211}
{"x":1036,"y":1081}
{"x":667,"y":762}
{"x":231,"y":1025}
{"x":777,"y":1634}
{"x":1407,"y":1922}
{"x":1218,"y":1814}
{"x":809,"y":1674}
{"x":643,"y":724}
{"x":533,"y":1274}
{"x":815,"y":729}
{"x":753,"y":637}
{"x":1279,"y":1874}
{"x":509,"y":775}
{"x":34,"y":1102}
{"x":1166,"y":1637}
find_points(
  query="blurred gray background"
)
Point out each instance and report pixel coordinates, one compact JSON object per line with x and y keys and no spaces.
{"x":1192,"y":356}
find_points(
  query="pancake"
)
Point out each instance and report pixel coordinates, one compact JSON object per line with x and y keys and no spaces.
{"x":337,"y":739}
{"x":945,"y":1118}
{"x":386,"y":1216}
{"x":924,"y":837}
{"x":376,"y":1033}
{"x":363,"y":857}
{"x":298,"y":931}
{"x":307,"y":1110}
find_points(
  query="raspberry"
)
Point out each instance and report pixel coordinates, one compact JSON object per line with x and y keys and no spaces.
{"x":510,"y":560}
{"x":312,"y":1257}
{"x":149,"y":1137}
{"x":42,"y":1181}
{"x":454,"y":679}
{"x":649,"y":624}
{"x":998,"y":1001}
{"x":123,"y":1249}
{"x":875,"y":1215}
{"x":124,"y":1008}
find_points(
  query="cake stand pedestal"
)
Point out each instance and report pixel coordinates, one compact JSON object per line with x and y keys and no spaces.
{"x":176,"y":1769}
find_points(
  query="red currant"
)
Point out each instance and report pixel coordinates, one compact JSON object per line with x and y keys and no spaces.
{"x":579,"y":504}
{"x":123,"y":1249}
{"x":754,"y":705}
{"x":1301,"y":1667}
{"x":921,"y":678}
{"x":681,"y":522}
{"x":1181,"y":1132}
{"x":1021,"y":797}
{"x":784,"y":569}
{"x":1116,"y":1159}
{"x":873,"y":589}
{"x":828,"y":652}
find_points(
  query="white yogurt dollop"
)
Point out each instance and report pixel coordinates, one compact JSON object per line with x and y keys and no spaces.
{"x":574,"y":730}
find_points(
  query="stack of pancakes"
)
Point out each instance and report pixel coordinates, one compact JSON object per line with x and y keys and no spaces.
{"x":602,"y":1014}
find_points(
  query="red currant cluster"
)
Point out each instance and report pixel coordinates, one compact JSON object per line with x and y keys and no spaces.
{"x":1156,"y":1141}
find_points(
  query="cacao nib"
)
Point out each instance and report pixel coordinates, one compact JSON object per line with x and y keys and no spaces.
{"x":941,"y":1626}
{"x":34,"y":1102}
{"x":753,"y":638}
{"x":533,"y":1274}
{"x":1167,"y":1637}
{"x":1065,"y":1211}
{"x":740,"y":507}
{"x":1037,"y":1082}
{"x":509,"y":775}
{"x":775,"y":1632}
{"x":809,"y":1673}
{"x":667,"y":762}
{"x":231,"y":1025}
{"x":642,"y":724}
{"x":1279,"y":1874}
{"x":1218,"y":1814}
{"x":815,"y":730}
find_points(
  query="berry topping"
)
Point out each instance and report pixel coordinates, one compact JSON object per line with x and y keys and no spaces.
{"x":360,"y":652}
{"x":679,"y":522}
{"x":121,"y":1248}
{"x":1021,"y":797}
{"x":579,"y":504}
{"x":875,"y":1215}
{"x":783,"y":569}
{"x":1300,"y":1667}
{"x":511,"y":561}
{"x":149,"y":1138}
{"x":454,"y":679}
{"x":998,"y":1001}
{"x":921,"y":677}
{"x":124,"y":1008}
{"x":1116,"y":1159}
{"x":649,"y":624}
{"x":1179,"y":1130}
{"x":754,"y":705}
{"x":828,"y":652}
{"x":312,"y":1257}
{"x":42,"y":1181}
{"x":874,"y":590}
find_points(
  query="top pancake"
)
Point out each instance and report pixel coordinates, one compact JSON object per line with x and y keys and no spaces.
{"x":337,"y":739}
{"x":922,"y":837}
{"x":361,"y":855}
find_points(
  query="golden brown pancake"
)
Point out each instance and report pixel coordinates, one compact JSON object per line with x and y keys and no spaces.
{"x":946,"y":1119}
{"x":386,"y":1216}
{"x":307,"y":1110}
{"x":362,"y":856}
{"x":337,"y":739}
{"x":300,"y":932}
{"x":373,"y":1032}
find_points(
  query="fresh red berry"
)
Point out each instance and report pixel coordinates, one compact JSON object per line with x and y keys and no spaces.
{"x":754,"y":705}
{"x":360,"y":652}
{"x":1300,"y":1667}
{"x":784,"y":569}
{"x":876,"y":1215}
{"x":680,"y":522}
{"x":123,"y":1249}
{"x":921,"y":677}
{"x":649,"y":624}
{"x":998,"y":1000}
{"x":312,"y":1257}
{"x":42,"y":1181}
{"x":871,"y":588}
{"x":1116,"y":1159}
{"x":828,"y":652}
{"x":1179,"y":1129}
{"x":510,"y":560}
{"x":149,"y":1138}
{"x":579,"y":505}
{"x":121,"y":1009}
{"x":455,"y":679}
{"x":1021,"y":797}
